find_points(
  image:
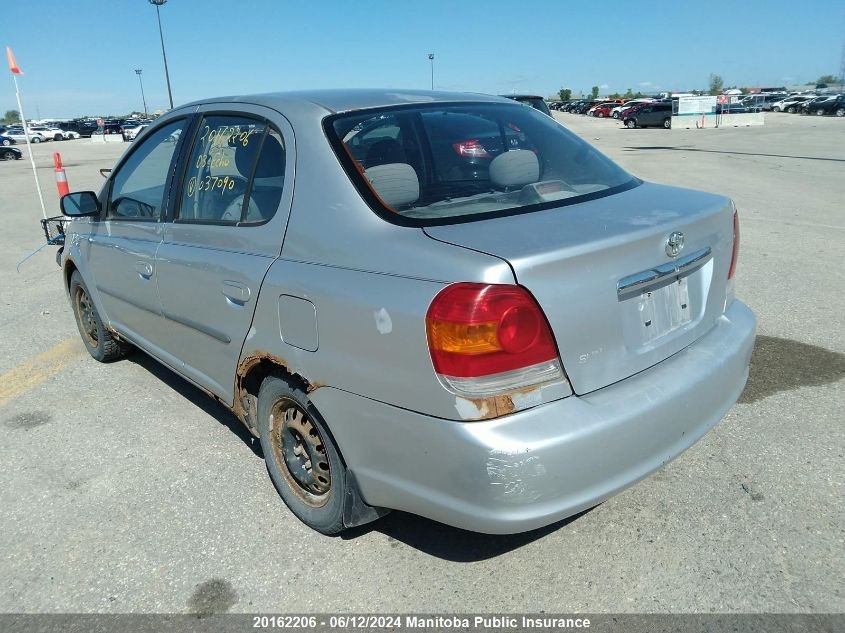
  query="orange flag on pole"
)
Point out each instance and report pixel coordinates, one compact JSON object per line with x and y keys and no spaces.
{"x":13,"y":65}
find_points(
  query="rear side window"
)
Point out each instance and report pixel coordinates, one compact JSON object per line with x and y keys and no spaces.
{"x":434,"y":163}
{"x":234,"y":174}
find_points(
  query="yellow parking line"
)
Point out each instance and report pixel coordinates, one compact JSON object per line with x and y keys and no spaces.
{"x":37,"y":369}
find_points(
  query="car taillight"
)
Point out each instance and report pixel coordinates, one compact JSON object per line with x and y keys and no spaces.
{"x":735,"y":253}
{"x":471,"y":149}
{"x":489,"y":339}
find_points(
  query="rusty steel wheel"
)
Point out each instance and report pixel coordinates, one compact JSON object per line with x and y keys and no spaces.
{"x":85,"y":315}
{"x":301,"y":455}
{"x":300,"y":452}
{"x":98,"y":340}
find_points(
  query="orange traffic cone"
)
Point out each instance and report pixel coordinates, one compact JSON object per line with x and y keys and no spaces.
{"x":61,"y":176}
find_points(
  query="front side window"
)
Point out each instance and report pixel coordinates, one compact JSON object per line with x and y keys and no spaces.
{"x":235,"y":172}
{"x":443,"y":161}
{"x":138,"y":187}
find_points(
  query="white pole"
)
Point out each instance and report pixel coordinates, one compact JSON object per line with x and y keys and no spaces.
{"x":29,"y":148}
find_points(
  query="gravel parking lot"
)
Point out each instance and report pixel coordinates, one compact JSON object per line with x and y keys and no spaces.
{"x":125,"y":489}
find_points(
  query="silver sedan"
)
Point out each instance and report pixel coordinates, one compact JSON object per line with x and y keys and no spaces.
{"x":440,"y":303}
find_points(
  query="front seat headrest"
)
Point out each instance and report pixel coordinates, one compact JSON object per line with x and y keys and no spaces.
{"x":384,"y":152}
{"x":515,"y":168}
{"x":396,"y":184}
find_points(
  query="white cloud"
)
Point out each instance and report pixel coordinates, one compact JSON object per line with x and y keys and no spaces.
{"x":645,"y":84}
{"x":604,"y":86}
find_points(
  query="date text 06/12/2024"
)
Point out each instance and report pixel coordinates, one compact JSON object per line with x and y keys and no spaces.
{"x":421,"y":622}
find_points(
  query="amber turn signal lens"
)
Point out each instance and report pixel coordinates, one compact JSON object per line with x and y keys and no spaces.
{"x":464,"y":338}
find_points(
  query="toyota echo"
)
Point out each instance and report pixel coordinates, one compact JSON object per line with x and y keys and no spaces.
{"x":441,"y":303}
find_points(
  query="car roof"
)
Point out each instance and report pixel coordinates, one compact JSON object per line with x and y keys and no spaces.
{"x":345,"y":100}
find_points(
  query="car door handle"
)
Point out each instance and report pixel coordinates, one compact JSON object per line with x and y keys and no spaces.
{"x":235,"y":291}
{"x":145,"y":269}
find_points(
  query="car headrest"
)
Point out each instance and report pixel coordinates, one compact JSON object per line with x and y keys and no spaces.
{"x":515,"y":168}
{"x":272,"y":162}
{"x":396,"y":183}
{"x":245,"y":156}
{"x":384,"y":152}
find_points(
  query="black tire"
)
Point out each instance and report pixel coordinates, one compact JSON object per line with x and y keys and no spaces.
{"x":667,"y":123}
{"x":58,"y":137}
{"x":37,"y":139}
{"x":615,"y":115}
{"x":630,"y":124}
{"x":791,"y":109}
{"x":98,"y":340}
{"x":6,"y":142}
{"x":7,"y":155}
{"x":840,"y":112}
{"x":287,"y":424}
{"x":819,"y":112}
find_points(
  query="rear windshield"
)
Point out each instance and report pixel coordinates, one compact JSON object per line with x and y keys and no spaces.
{"x":444,"y":161}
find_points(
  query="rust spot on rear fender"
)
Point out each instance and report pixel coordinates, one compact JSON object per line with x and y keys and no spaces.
{"x":244,"y":391}
{"x":497,"y":406}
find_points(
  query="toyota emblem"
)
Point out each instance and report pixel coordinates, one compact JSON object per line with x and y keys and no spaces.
{"x":674,"y":244}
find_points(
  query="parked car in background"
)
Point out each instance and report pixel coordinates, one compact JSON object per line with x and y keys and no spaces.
{"x":17,"y":134}
{"x":536,"y":102}
{"x":83,"y":128}
{"x":617,"y":109}
{"x":811,"y":106}
{"x":767,"y":101}
{"x":129,"y":133}
{"x":6,"y":140}
{"x":650,"y":115}
{"x":49,"y":133}
{"x":585,"y":106}
{"x":835,"y":106}
{"x":762,"y":101}
{"x":789,"y":104}
{"x":731,"y":108}
{"x":109,"y":128}
{"x":496,"y":353}
{"x":66,"y":134}
{"x":603,"y":109}
{"x":10,"y":153}
{"x":628,"y":109}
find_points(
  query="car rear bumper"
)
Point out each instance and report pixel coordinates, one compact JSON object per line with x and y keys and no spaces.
{"x":541,"y":465}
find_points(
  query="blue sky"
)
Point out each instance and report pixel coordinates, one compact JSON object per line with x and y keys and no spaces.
{"x":80,"y":55}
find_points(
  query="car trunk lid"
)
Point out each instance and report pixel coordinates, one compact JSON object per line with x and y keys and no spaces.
{"x":616,"y":301}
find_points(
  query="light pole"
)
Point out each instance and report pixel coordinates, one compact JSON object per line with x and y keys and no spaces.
{"x":158,"y":4}
{"x":138,"y":72}
{"x":431,"y":59}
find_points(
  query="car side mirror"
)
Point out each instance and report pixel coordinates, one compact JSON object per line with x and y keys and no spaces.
{"x":80,"y":204}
